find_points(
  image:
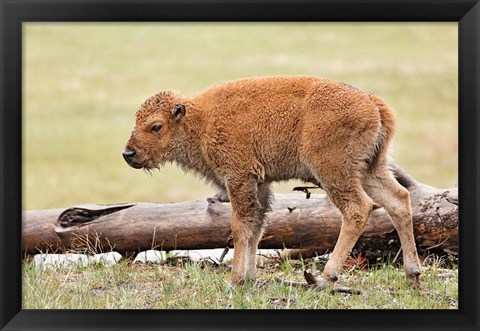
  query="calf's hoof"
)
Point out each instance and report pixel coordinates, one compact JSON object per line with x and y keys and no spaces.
{"x":213,"y":200}
{"x":243,"y":281}
{"x":235,"y":280}
{"x":330,"y":276}
{"x":219,"y":197}
{"x":413,"y":277}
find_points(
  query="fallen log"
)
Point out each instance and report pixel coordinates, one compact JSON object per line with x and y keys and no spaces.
{"x":294,"y":222}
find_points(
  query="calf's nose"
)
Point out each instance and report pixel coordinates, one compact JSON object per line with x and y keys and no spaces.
{"x":128,"y":153}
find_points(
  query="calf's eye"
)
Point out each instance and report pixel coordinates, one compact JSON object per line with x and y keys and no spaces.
{"x":156,"y":128}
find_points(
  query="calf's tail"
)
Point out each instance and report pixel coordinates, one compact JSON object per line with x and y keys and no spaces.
{"x":385,"y":133}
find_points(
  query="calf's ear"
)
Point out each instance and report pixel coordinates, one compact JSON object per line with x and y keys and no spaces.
{"x":178,"y":111}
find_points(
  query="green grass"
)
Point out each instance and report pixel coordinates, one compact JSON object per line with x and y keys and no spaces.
{"x":84,"y":82}
{"x":203,"y":286}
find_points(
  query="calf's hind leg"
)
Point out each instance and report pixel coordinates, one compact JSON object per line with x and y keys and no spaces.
{"x":388,"y":193}
{"x":355,"y":206}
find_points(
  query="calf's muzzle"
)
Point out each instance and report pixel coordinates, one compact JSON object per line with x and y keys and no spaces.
{"x":130,"y":157}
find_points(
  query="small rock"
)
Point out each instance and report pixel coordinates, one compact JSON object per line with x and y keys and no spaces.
{"x":445,"y":276}
{"x":72,"y":260}
{"x":60,"y":260}
{"x":108,"y":259}
{"x":150,"y":256}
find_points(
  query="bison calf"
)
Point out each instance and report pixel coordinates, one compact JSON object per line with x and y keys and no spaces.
{"x":243,"y":135}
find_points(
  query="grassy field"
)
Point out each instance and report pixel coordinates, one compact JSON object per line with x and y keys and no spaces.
{"x":84,"y":82}
{"x":187,"y":285}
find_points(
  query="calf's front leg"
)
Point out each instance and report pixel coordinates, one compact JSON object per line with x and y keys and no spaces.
{"x":246,"y":228}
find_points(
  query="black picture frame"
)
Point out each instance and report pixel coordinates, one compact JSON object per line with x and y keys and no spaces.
{"x":14,"y":12}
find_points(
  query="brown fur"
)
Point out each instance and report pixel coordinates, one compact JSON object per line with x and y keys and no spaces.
{"x":246,"y":134}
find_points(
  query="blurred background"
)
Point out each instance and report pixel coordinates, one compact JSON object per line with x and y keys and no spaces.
{"x":82,"y":84}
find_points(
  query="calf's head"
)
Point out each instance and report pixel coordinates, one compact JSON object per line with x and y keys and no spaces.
{"x":154,"y":136}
